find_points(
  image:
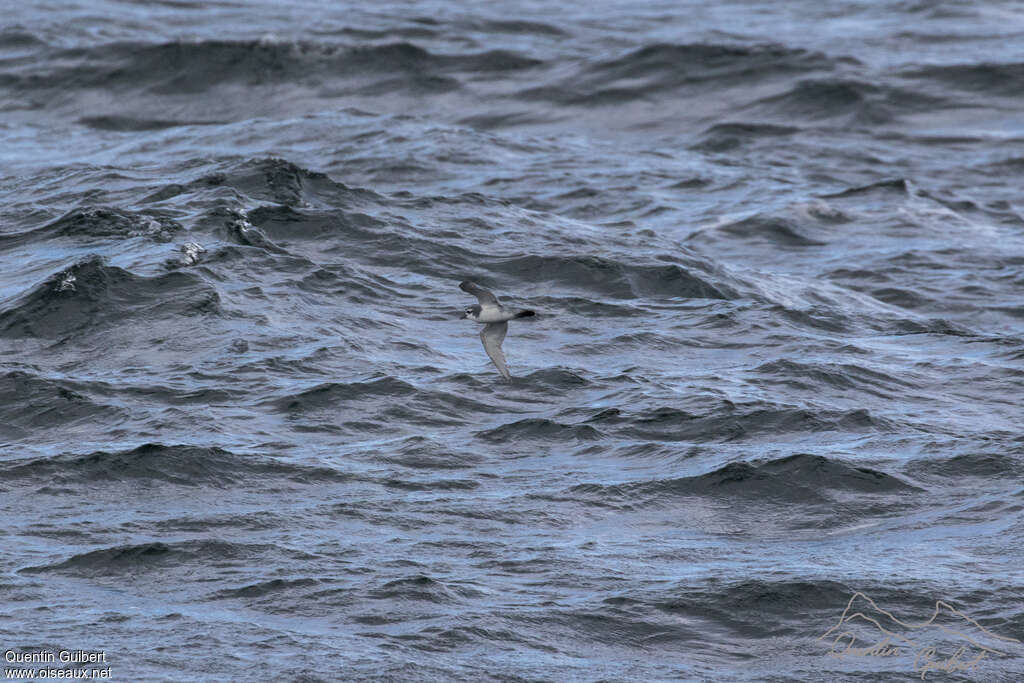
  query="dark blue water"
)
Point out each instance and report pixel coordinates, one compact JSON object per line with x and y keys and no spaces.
{"x":776,"y":253}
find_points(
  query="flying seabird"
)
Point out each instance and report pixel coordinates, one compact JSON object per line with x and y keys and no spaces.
{"x":494,"y":317}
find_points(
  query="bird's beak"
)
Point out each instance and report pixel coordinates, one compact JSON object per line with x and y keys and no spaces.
{"x":462,"y":316}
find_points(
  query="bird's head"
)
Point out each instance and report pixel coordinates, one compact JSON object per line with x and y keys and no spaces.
{"x":472,"y":312}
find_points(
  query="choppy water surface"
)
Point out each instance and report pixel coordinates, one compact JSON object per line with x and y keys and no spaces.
{"x":776,"y":250}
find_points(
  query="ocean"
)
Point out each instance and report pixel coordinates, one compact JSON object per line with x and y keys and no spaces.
{"x":765,"y":426}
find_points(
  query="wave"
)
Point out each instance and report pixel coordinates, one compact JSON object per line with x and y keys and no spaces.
{"x":817,"y":317}
{"x":704,"y":60}
{"x":195,"y":67}
{"x":92,"y":295}
{"x":802,"y":478}
{"x":778,"y":596}
{"x":136,"y":124}
{"x":122,"y":558}
{"x":725,"y":137}
{"x":282,"y":222}
{"x":1001,"y":79}
{"x":540,"y":428}
{"x":374,"y":405}
{"x":423,"y":588}
{"x":181,"y":465}
{"x":328,"y":395}
{"x":588,"y":307}
{"x":851,"y":101}
{"x":904,"y":298}
{"x":354,"y":235}
{"x":272,"y":179}
{"x":769,"y":605}
{"x":100,"y":223}
{"x":431,"y":484}
{"x":423,"y":453}
{"x":29,"y":403}
{"x":777,"y":230}
{"x":939,"y":326}
{"x":365,"y":238}
{"x":731,"y":422}
{"x":520,"y":26}
{"x":556,"y":379}
{"x":1003,"y":466}
{"x":664,"y":67}
{"x":131,"y":559}
{"x":835,"y":376}
{"x":695,"y":278}
{"x":261,"y":589}
{"x":15,"y":37}
{"x":898,"y":187}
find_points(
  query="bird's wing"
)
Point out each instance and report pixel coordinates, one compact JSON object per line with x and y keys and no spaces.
{"x":482,"y":295}
{"x":492,"y":335}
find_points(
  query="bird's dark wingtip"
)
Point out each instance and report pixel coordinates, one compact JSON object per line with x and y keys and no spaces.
{"x":525,"y":314}
{"x":466,"y":285}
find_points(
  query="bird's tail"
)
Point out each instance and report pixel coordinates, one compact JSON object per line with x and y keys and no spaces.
{"x":525,"y":314}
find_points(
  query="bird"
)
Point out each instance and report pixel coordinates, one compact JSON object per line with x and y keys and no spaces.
{"x":494,"y":317}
